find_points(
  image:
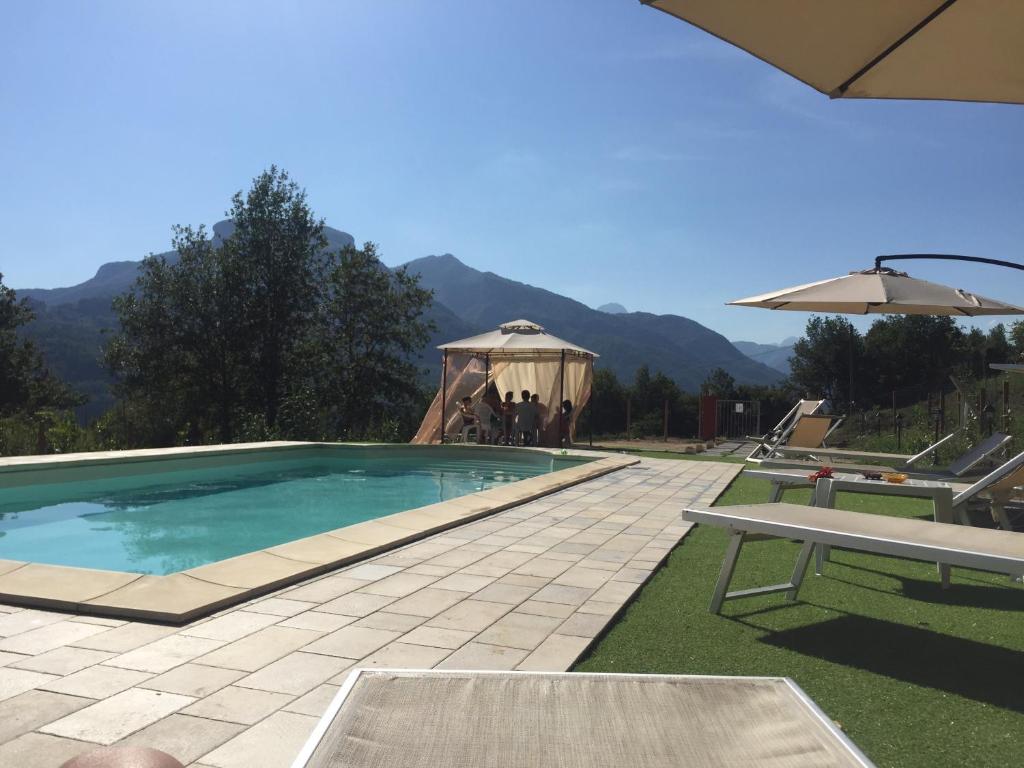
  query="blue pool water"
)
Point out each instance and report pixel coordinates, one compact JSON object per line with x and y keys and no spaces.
{"x":166,"y":521}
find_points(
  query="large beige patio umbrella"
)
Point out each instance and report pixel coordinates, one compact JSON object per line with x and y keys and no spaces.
{"x":879,"y":290}
{"x":882,"y":290}
{"x":958,"y":50}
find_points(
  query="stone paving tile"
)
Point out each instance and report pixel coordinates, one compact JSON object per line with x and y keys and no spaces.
{"x":405,"y":656}
{"x":505,"y":593}
{"x":482,"y":656}
{"x":356,"y":604}
{"x":558,"y":610}
{"x":583,"y":625}
{"x":26,"y":620}
{"x":554,"y":593}
{"x":15,"y":681}
{"x":398,"y":585}
{"x":122,"y":714}
{"x":62,"y":661}
{"x":183,"y":737}
{"x":42,"y":750}
{"x":273,"y":743}
{"x":318,"y":621}
{"x":463,"y":582}
{"x":99,"y":682}
{"x":557,"y":653}
{"x":31,"y":709}
{"x":125,"y":638}
{"x":238,"y":705}
{"x":297,"y":673}
{"x":519,"y":630}
{"x":324,"y":589}
{"x":164,"y":654}
{"x":471,"y":615}
{"x":315,"y":702}
{"x":386,"y":620}
{"x":48,"y":637}
{"x":196,"y":680}
{"x":260,"y":648}
{"x":439,"y":637}
{"x":371,"y":572}
{"x":352,"y":642}
{"x":9,"y":658}
{"x":280,"y":606}
{"x":231,"y":626}
{"x":427,"y":602}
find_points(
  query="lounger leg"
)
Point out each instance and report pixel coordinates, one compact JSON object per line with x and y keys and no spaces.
{"x":732,"y":553}
{"x":800,"y":569}
{"x":824,"y":497}
{"x":776,"y":495}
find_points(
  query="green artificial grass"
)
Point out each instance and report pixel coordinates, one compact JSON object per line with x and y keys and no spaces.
{"x":917,"y":676}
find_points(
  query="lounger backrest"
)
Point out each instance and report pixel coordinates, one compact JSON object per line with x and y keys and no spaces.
{"x":810,"y":431}
{"x":780,"y":434}
{"x":1002,"y":478}
{"x":978,"y":453}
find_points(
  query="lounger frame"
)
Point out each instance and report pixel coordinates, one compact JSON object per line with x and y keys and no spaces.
{"x":740,"y":527}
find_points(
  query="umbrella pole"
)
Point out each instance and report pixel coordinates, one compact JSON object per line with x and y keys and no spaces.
{"x":444,"y":391}
{"x":849,"y":363}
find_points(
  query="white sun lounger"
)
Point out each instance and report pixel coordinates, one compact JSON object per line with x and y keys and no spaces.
{"x":957,"y":468}
{"x":439,"y":718}
{"x":903,"y":459}
{"x":981,"y":548}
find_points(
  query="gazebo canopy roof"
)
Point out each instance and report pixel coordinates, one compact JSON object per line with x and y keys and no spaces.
{"x":516,"y":338}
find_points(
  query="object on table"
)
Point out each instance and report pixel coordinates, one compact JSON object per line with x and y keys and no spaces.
{"x":894,"y":477}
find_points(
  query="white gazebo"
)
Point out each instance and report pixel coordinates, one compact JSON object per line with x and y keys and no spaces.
{"x":517,"y":355}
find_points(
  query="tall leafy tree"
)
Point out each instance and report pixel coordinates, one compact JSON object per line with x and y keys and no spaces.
{"x":371,"y":329}
{"x":266,"y":333}
{"x":825,"y":357}
{"x":26,"y":385}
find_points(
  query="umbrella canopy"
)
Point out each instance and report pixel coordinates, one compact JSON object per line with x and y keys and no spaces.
{"x":518,"y":337}
{"x":880,"y":290}
{"x":960,"y":50}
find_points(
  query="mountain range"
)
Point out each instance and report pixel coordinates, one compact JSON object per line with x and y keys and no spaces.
{"x":773,"y":355}
{"x":72,"y":324}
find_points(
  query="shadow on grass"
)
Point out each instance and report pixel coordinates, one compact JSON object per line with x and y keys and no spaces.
{"x":985,"y":673}
{"x":998,"y":597}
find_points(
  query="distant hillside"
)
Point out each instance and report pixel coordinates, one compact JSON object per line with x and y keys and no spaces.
{"x":613,"y":308}
{"x":118,"y":276}
{"x":773,"y":355}
{"x":72,"y":325}
{"x":677,"y":346}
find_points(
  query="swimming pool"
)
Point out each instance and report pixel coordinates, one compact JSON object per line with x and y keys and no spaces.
{"x":164,"y":516}
{"x":171,"y":534}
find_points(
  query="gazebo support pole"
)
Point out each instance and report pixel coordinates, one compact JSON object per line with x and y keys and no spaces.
{"x":487,"y":371}
{"x":590,"y":421}
{"x":444,"y":391}
{"x":561,"y":398}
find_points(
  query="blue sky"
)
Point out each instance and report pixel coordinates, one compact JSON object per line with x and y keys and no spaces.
{"x":599,"y":149}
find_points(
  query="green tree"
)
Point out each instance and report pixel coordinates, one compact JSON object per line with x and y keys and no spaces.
{"x":26,"y":385}
{"x":719,"y":383}
{"x":910,"y":352}
{"x":371,"y":328}
{"x":823,"y":360}
{"x":265,"y":333}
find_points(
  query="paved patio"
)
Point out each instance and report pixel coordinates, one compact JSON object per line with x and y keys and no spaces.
{"x":529,"y":588}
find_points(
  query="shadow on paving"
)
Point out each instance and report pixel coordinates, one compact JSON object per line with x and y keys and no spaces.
{"x":985,"y":673}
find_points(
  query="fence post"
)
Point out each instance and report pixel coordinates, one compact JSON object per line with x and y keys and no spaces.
{"x":1006,"y":405}
{"x":664,"y":422}
{"x":628,"y":419}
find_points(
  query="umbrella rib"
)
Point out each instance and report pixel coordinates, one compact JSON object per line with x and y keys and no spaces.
{"x":841,"y":90}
